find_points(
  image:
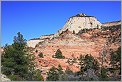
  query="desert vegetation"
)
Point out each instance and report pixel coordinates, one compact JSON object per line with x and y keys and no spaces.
{"x":18,"y":63}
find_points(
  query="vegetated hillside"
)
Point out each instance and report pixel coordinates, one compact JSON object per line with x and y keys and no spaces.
{"x":94,"y":41}
{"x":83,"y":50}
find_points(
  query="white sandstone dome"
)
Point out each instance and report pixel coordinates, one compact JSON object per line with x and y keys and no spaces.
{"x":78,"y":22}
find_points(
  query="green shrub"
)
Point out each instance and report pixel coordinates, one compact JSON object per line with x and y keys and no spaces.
{"x":41,"y":55}
{"x":58,"y":54}
{"x":52,"y":75}
{"x":36,"y":51}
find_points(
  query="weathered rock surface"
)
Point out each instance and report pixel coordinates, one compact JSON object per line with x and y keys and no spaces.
{"x":78,"y":22}
{"x":33,"y":42}
{"x":4,"y":78}
{"x":114,"y":23}
{"x":72,"y":41}
{"x":74,"y":24}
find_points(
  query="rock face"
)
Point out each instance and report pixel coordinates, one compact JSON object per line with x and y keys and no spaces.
{"x":47,"y":36}
{"x":73,"y":41}
{"x":33,"y":42}
{"x":78,"y":22}
{"x":74,"y":25}
{"x":94,"y":41}
{"x":108,"y":24}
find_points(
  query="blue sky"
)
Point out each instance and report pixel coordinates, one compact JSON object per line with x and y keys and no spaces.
{"x":34,"y":19}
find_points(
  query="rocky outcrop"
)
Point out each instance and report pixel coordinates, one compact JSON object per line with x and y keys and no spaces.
{"x":114,"y":23}
{"x":4,"y":78}
{"x":33,"y":42}
{"x":78,"y":22}
{"x":73,"y":41}
{"x":93,"y":41}
{"x":74,"y":25}
{"x":47,"y":36}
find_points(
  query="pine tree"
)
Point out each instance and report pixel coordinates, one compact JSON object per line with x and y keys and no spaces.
{"x":88,"y":61}
{"x":68,"y":71}
{"x":103,"y":74}
{"x":37,"y":76}
{"x":60,"y":70}
{"x":89,"y":65}
{"x":82,"y":64}
{"x":63,"y":77}
{"x":17,"y":62}
{"x":115,"y":62}
{"x":52,"y":75}
{"x":59,"y":55}
{"x":116,"y":59}
{"x":41,"y":55}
